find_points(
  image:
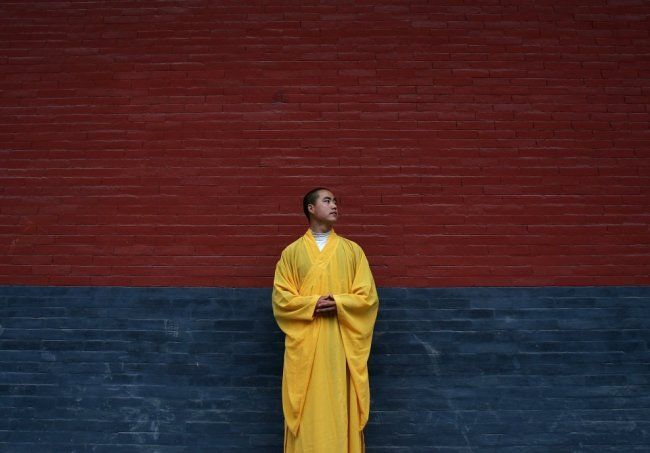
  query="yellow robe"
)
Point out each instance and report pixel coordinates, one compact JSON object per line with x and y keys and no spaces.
{"x":325,"y":386}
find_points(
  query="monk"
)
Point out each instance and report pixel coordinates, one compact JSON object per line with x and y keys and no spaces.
{"x":325,"y":301}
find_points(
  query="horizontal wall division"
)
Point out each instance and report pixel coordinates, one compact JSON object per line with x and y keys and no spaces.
{"x":118,"y":369}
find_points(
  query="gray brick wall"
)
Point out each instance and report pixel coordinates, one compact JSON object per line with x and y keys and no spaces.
{"x":115,"y":369}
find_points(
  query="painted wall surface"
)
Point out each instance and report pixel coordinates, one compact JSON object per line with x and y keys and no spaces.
{"x":470,"y":143}
{"x":498,"y":149}
{"x":115,"y":369}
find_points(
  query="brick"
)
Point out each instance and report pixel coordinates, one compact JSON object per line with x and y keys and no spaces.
{"x":134,"y":368}
{"x":127,"y":131}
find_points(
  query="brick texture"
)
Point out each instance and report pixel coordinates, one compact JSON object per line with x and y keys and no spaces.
{"x":113,"y":369}
{"x":470,"y":143}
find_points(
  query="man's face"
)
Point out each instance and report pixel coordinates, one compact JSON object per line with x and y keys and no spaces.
{"x":324,"y":208}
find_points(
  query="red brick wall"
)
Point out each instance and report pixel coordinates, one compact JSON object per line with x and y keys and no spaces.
{"x":470,"y":143}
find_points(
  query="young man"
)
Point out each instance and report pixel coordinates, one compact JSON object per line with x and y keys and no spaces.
{"x":325,"y":301}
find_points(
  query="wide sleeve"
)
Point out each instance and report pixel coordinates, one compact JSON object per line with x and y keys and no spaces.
{"x":357,"y":312}
{"x":293,"y":314}
{"x":288,"y":305}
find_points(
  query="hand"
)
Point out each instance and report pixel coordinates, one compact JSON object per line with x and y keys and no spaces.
{"x":326,"y":306}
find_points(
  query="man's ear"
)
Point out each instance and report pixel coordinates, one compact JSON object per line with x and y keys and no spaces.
{"x":310,"y":208}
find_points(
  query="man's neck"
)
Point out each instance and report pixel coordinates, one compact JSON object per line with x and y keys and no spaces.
{"x":320,"y":227}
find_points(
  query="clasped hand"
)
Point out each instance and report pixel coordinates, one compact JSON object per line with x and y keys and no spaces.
{"x":326,"y":306}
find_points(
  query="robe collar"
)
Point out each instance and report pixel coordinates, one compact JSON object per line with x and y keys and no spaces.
{"x":313,"y":251}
